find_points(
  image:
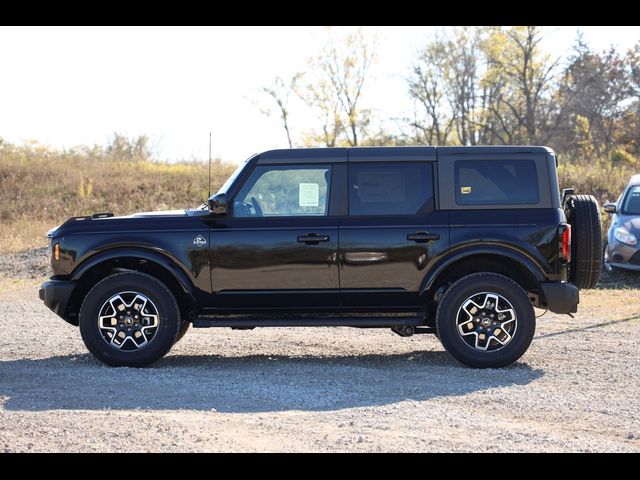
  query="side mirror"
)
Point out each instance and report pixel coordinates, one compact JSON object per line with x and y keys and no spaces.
{"x":218,"y":204}
{"x":610,"y":207}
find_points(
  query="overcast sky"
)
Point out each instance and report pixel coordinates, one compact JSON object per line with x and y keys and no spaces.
{"x":70,"y":86}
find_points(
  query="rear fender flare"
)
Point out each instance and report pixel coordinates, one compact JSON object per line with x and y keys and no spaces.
{"x":534,"y":269}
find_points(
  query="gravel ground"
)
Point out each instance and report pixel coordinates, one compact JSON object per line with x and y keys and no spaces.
{"x":321,"y":389}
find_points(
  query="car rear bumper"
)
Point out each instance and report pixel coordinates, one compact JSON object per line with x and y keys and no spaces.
{"x":560,"y":297}
{"x":55,"y":294}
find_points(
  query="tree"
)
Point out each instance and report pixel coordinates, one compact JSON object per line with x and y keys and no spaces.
{"x":280,"y":93}
{"x":525,"y":108}
{"x":340,"y":72}
{"x":457,"y":96}
{"x":595,"y":89}
{"x":121,"y":147}
{"x":429,"y":89}
{"x":319,"y":97}
{"x":465,"y":65}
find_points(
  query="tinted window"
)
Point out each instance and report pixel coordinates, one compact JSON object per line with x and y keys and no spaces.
{"x":632,"y":202}
{"x":496,"y":182}
{"x":284,"y":191}
{"x":390,"y":189}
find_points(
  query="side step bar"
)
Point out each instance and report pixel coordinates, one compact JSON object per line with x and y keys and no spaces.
{"x":366,"y":322}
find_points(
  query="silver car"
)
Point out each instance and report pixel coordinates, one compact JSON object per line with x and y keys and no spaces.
{"x":622,"y":249}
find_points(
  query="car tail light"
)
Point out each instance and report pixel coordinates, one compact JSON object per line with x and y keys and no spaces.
{"x":565,"y":243}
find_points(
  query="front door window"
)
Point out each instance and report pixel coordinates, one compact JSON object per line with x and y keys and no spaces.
{"x":285,"y":191}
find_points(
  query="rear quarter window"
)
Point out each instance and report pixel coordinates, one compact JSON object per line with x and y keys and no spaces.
{"x":496,"y":182}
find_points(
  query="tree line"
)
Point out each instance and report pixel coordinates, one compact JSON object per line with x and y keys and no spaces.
{"x":472,"y":86}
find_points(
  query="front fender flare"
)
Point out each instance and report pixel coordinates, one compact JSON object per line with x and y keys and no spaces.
{"x":183,"y":279}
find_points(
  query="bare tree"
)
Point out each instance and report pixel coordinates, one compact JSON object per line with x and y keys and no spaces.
{"x":341,"y":71}
{"x":462,"y":74}
{"x":319,"y":97}
{"x":280,"y":93}
{"x":528,"y":74}
{"x":429,"y":89}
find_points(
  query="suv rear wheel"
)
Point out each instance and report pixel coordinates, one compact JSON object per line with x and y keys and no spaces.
{"x":485,"y":320}
{"x":129,"y":319}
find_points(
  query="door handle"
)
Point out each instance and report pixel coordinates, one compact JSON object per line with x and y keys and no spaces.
{"x":313,"y":238}
{"x":421,"y":237}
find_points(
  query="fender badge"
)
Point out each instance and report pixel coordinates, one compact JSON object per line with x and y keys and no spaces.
{"x":199,"y":241}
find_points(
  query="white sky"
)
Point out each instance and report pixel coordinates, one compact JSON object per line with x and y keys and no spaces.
{"x":67,"y":86}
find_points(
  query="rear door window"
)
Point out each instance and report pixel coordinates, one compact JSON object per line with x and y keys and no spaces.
{"x":496,"y":182}
{"x":390,"y":189}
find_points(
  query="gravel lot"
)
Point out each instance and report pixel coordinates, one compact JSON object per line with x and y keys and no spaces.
{"x":317,"y":389}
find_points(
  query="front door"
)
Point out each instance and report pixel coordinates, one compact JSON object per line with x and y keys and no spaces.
{"x":277,"y":248}
{"x":392,"y":234}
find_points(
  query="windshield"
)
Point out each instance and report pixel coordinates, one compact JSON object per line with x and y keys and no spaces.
{"x":225,"y":186}
{"x":632,"y":201}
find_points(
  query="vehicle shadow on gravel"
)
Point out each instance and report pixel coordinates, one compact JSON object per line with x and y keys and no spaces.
{"x":254,"y":383}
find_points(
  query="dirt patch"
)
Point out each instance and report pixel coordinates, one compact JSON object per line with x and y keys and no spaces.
{"x":27,"y":264}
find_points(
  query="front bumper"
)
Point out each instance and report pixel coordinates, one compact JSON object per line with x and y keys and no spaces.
{"x":55,"y":294}
{"x":621,"y":255}
{"x":560,"y":297}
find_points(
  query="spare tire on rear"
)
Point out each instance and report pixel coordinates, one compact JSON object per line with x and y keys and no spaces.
{"x":583,"y":214}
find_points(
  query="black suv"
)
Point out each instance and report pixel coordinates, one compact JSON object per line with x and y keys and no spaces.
{"x":461,"y":242}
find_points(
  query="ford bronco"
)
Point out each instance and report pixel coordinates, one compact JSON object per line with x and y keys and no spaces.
{"x":461,"y":242}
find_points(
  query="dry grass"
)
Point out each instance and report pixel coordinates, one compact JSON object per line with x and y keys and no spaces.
{"x":40,"y":188}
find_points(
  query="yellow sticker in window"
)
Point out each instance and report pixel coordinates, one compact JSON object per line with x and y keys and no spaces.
{"x":465,"y":190}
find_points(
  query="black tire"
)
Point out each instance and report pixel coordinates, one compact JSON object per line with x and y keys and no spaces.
{"x":184,"y":327}
{"x":154,"y":290}
{"x":453,"y":300}
{"x":583,"y":214}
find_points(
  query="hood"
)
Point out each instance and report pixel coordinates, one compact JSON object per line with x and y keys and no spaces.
{"x":160,"y":213}
{"x":630,"y":222}
{"x":109,"y":217}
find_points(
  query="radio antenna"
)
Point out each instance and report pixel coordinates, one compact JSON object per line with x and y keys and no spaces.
{"x":209,"y":165}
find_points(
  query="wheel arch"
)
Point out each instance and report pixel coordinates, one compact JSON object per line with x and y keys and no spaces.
{"x":510,"y":263}
{"x":103,"y":264}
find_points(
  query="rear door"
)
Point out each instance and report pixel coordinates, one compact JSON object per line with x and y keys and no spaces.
{"x":392,"y":234}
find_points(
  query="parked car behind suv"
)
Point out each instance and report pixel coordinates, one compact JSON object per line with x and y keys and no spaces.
{"x":621,"y":250}
{"x":462,"y":242}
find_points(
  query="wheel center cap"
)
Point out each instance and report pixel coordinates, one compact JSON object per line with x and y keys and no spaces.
{"x":486,"y":322}
{"x":128,"y":320}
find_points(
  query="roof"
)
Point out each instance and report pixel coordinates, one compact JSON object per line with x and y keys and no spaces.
{"x":368,"y":154}
{"x":635,"y":180}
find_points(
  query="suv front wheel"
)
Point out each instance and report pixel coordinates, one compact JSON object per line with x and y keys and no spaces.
{"x":485,"y":320}
{"x":129,"y":319}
